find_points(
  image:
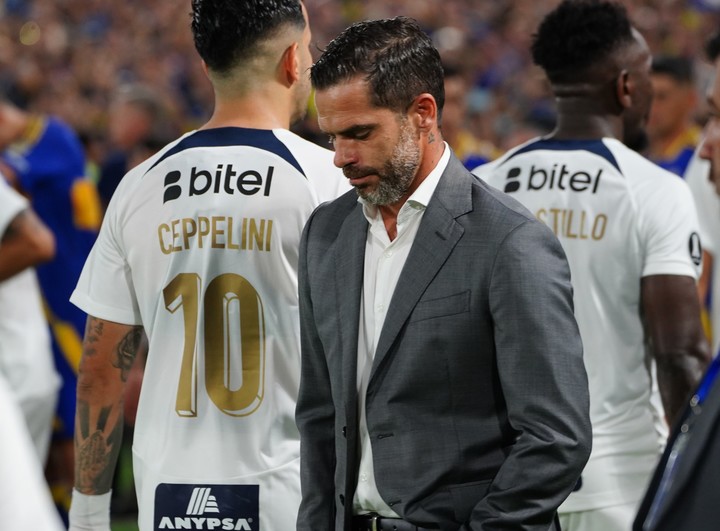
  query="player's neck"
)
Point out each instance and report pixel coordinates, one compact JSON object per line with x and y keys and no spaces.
{"x":583,"y":119}
{"x":254,"y":111}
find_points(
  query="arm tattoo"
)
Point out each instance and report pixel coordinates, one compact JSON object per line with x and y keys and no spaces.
{"x":93,"y":332}
{"x":127,"y":350}
{"x":96,"y":454}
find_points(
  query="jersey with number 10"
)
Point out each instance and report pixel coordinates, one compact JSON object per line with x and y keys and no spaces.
{"x":619,"y":218}
{"x":200,"y":246}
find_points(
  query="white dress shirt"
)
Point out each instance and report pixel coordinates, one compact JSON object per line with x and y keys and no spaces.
{"x":384,"y":260}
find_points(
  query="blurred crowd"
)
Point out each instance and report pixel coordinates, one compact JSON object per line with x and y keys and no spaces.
{"x":72,"y":58}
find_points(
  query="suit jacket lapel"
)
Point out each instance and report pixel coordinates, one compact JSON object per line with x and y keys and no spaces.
{"x":437,"y":236}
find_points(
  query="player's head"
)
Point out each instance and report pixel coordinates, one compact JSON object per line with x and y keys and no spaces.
{"x":587,"y":46}
{"x":674,"y":96}
{"x":242,"y":43}
{"x":379,"y":91}
{"x":395,"y":57}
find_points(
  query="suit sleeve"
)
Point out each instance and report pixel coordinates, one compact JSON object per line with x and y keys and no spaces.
{"x":543,"y":380}
{"x":315,"y":414}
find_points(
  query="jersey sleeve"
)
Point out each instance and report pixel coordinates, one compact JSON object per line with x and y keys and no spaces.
{"x":11,"y":204}
{"x":105,"y":288}
{"x":669,"y":229}
{"x":706,"y":201}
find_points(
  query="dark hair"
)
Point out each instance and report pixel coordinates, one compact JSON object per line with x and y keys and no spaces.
{"x":228,"y":31}
{"x":712,"y":47}
{"x":676,"y":67}
{"x":577,"y":35}
{"x":396,"y":57}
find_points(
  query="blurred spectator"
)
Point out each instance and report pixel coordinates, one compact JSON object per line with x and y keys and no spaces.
{"x":672,"y":133}
{"x":91,"y":48}
{"x":471,"y":150}
{"x":136,"y":126}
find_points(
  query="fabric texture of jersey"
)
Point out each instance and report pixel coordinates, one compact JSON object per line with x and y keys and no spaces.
{"x":25,"y":355}
{"x":200,"y":246}
{"x":619,"y":218}
{"x":49,"y":163}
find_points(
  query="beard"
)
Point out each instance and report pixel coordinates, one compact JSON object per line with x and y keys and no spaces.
{"x":397,"y":173}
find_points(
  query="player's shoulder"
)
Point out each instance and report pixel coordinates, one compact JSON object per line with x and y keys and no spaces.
{"x":641,"y":172}
{"x":313,"y":159}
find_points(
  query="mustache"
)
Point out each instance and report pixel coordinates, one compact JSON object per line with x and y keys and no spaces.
{"x":357,"y":172}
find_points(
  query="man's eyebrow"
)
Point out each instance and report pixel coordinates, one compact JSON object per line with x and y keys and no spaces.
{"x":354,"y":130}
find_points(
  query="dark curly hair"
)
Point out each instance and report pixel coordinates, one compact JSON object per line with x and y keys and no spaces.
{"x":712,"y":47}
{"x":396,"y":57}
{"x":578,"y":34}
{"x":228,"y":31}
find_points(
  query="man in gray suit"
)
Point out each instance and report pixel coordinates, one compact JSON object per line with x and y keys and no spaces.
{"x":442,"y":380}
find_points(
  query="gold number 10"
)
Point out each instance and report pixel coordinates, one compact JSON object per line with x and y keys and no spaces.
{"x":225,"y":295}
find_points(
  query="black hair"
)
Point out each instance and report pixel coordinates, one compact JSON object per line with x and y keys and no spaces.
{"x":396,"y":57}
{"x":712,"y":47}
{"x":228,"y":31}
{"x":676,"y":67}
{"x":577,"y":35}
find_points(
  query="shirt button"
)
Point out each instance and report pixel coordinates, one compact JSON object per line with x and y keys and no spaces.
{"x":381,"y":307}
{"x":363,"y":477}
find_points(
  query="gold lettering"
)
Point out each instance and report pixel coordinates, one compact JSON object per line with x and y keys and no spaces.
{"x":204,"y":230}
{"x":599,"y":226}
{"x":165,"y":249}
{"x":175,"y":234}
{"x":189,"y":230}
{"x":257,"y":234}
{"x":230,"y":244}
{"x":216,"y":231}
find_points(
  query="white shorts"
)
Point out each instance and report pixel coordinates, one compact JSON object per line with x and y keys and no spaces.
{"x":613,"y":518}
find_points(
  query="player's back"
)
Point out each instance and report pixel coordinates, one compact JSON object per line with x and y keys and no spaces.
{"x":209,"y":229}
{"x":612,"y":211}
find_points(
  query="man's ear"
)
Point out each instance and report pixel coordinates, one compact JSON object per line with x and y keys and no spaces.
{"x":624,"y":89}
{"x":290,"y":65}
{"x":424,"y":111}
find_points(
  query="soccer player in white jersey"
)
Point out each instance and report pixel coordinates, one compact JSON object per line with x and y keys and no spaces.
{"x":630,"y":233}
{"x":28,"y":381}
{"x":199,"y":249}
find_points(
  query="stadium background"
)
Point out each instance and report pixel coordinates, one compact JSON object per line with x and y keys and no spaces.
{"x":71,"y":57}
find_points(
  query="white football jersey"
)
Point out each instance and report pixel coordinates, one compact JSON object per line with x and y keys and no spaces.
{"x":200,"y":246}
{"x":619,"y":218}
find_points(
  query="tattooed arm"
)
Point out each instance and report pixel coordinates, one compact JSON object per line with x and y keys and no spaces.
{"x":26,"y":242}
{"x":109,"y":350}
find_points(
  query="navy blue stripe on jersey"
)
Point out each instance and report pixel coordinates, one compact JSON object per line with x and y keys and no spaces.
{"x":263,"y":139}
{"x":597,"y":147}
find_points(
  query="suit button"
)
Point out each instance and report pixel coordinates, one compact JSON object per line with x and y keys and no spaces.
{"x":344,"y":431}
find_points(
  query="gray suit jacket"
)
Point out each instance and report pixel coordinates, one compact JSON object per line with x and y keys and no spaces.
{"x":477,"y":403}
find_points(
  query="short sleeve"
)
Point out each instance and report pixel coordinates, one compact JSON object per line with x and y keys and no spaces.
{"x":669,"y":230}
{"x":105,"y":288}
